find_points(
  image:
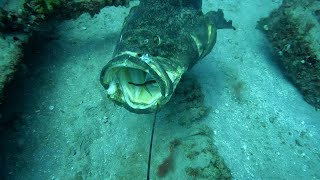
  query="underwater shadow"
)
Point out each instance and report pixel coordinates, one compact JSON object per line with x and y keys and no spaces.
{"x":182,"y":140}
{"x":43,"y":51}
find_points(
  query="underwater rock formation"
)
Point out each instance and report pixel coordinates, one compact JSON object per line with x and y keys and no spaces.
{"x":191,"y":152}
{"x":10,"y":55}
{"x":19,"y":19}
{"x":293,"y":30}
{"x":30,"y":13}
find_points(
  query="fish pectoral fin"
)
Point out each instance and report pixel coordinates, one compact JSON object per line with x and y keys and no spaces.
{"x":219,"y":20}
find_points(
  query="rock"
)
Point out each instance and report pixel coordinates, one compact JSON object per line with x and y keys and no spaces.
{"x":293,"y":30}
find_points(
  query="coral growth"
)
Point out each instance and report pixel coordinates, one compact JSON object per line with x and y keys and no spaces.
{"x":35,"y":12}
{"x":43,"y":6}
{"x":293,"y":30}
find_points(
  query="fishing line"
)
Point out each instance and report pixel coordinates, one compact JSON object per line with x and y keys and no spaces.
{"x":151,"y":142}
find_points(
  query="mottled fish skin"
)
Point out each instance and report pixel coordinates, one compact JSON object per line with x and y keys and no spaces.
{"x":164,"y":39}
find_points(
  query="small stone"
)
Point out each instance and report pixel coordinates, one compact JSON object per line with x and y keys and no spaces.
{"x":266,"y":27}
{"x":105,"y":119}
{"x":51,"y":107}
{"x":304,"y":167}
{"x":84,"y":28}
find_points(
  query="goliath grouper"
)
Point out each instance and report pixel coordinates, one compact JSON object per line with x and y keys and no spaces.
{"x":160,"y":40}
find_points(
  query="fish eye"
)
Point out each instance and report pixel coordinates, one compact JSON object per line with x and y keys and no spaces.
{"x":156,"y":40}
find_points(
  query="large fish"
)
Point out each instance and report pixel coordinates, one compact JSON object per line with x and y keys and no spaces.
{"x":160,"y":40}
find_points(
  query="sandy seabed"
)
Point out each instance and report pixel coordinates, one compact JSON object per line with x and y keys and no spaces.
{"x":64,"y":128}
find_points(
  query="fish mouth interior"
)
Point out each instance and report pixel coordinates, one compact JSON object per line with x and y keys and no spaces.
{"x":138,"y":88}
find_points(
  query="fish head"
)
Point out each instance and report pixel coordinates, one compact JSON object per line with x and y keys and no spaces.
{"x":122,"y":74}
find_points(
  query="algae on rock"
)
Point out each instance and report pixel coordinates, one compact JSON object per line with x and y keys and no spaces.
{"x":22,"y":18}
{"x":293,"y":30}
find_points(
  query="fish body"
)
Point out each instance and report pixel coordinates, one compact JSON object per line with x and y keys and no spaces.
{"x":160,"y":40}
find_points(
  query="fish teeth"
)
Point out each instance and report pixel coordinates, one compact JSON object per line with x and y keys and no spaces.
{"x":112,"y":88}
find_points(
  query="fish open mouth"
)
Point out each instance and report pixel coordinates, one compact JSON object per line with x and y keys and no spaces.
{"x":136,"y":82}
{"x":134,"y":86}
